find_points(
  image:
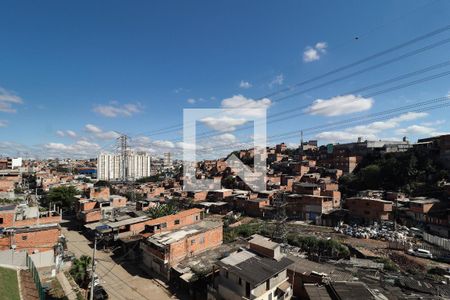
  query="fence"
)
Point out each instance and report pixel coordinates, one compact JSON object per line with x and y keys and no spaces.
{"x":438,"y":241}
{"x":35,"y":276}
{"x":405,"y":246}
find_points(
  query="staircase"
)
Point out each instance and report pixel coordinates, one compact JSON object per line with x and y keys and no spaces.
{"x":27,"y":286}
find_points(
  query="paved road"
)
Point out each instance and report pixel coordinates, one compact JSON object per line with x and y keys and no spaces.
{"x":117,"y":281}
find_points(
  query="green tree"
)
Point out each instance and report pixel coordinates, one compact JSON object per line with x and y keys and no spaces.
{"x":162,"y":210}
{"x":62,"y":196}
{"x":371,"y":176}
{"x":79,"y":270}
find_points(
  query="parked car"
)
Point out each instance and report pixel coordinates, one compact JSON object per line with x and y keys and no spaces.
{"x":420,"y":253}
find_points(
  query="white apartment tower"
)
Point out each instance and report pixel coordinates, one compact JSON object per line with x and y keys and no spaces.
{"x":109,"y":166}
{"x":168,"y":161}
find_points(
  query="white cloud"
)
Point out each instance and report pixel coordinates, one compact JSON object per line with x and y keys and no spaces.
{"x":278,"y":80}
{"x":237,"y":110}
{"x":223,"y":123}
{"x":7,"y":100}
{"x":3,"y":123}
{"x":164,"y":144}
{"x":415,"y":130}
{"x":343,"y":136}
{"x":180,"y":90}
{"x":340,"y":105}
{"x":107,"y":135}
{"x":99,"y":133}
{"x":409,"y":116}
{"x":193,"y":100}
{"x":321,"y":46}
{"x":310,"y":54}
{"x":71,"y":133}
{"x":187,"y":146}
{"x":369,"y":131}
{"x":60,"y":133}
{"x":225,"y":138}
{"x":314,"y":53}
{"x":245,"y":84}
{"x":141,"y":140}
{"x":241,"y":102}
{"x":115,"y":110}
{"x":92,"y":128}
{"x":433,"y":123}
{"x":77,"y":149}
{"x":419,"y":130}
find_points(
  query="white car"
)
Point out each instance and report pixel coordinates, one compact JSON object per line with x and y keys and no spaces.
{"x":420,"y":253}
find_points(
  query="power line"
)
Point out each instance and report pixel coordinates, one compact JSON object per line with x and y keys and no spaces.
{"x":303,"y":107}
{"x":441,"y":102}
{"x":340,"y":69}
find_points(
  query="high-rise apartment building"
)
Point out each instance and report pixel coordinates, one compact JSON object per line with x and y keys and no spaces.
{"x":110,"y":166}
{"x":168,"y":161}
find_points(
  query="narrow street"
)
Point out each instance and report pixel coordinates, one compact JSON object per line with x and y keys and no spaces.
{"x":116,"y":280}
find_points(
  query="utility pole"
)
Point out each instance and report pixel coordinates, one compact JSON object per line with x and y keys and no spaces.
{"x":91,"y":296}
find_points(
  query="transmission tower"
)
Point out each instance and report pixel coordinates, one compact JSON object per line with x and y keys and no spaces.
{"x":122,"y":146}
{"x":280,"y":232}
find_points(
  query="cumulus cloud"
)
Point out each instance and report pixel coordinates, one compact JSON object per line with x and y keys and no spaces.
{"x":164,"y":144}
{"x":313,"y":53}
{"x":278,"y":80}
{"x":114,"y":109}
{"x":71,"y":133}
{"x":191,"y":101}
{"x":187,"y":146}
{"x":369,"y":131}
{"x":343,"y":136}
{"x":60,"y":133}
{"x":245,"y":84}
{"x":223,"y":123}
{"x":107,"y":135}
{"x":419,"y":130}
{"x":7,"y":100}
{"x":340,"y":105}
{"x":99,"y":133}
{"x":92,"y":128}
{"x":77,"y":149}
{"x":225,"y":138}
{"x":246,"y":105}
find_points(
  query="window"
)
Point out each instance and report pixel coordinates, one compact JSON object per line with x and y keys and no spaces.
{"x":177,"y":222}
{"x":196,"y":218}
{"x":24,"y":238}
{"x":268,"y":285}
{"x":163,"y":225}
{"x":247,"y":290}
{"x":1,"y":220}
{"x":226,"y":274}
{"x":202,"y":240}
{"x":240,"y":281}
{"x":192,"y":241}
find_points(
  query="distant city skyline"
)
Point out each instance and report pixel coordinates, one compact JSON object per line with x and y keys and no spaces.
{"x":74,"y":76}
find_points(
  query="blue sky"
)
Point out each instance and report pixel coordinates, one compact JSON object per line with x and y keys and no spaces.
{"x":72,"y":73}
